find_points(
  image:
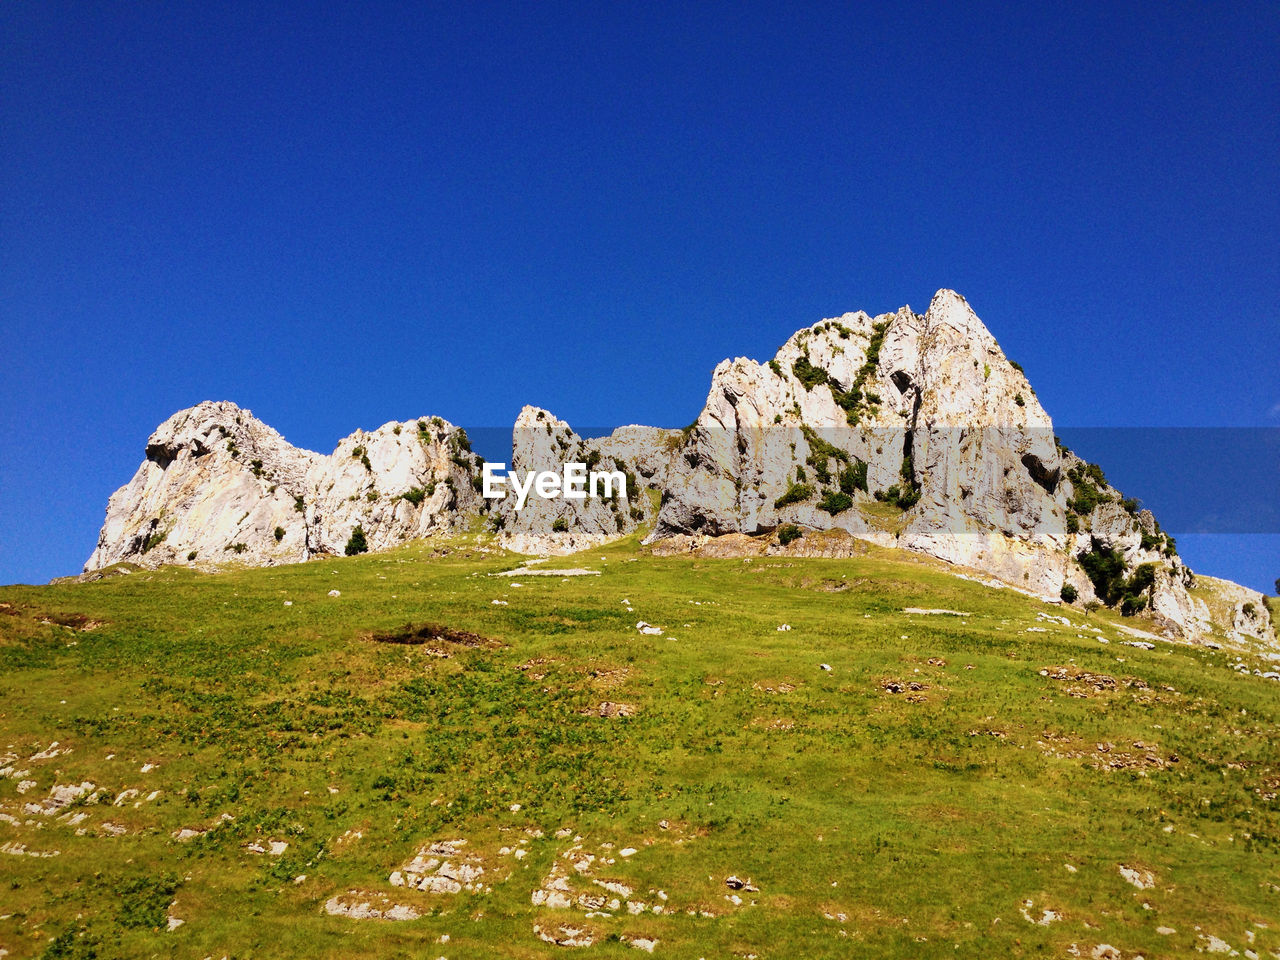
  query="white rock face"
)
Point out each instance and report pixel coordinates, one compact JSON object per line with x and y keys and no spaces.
{"x":218,"y":485}
{"x":542,"y":442}
{"x":945,"y":425}
{"x":907,"y":430}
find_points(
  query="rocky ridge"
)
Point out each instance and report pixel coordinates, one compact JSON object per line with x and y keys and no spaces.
{"x":907,"y":430}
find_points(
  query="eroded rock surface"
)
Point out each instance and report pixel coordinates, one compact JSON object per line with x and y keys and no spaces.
{"x":907,"y":430}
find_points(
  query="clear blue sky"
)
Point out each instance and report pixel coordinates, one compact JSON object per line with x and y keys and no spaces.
{"x":341,"y":215}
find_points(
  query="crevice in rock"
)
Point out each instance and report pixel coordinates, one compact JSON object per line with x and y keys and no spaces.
{"x":1045,"y":477}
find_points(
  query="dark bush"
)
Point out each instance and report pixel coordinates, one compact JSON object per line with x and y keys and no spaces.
{"x":1084,"y":497}
{"x":796,"y":493}
{"x":1069,"y":593}
{"x":561,"y":525}
{"x":809,"y":375}
{"x":279,"y":534}
{"x":854,"y":477}
{"x":357,"y":544}
{"x":788,"y":532}
{"x":835,"y":502}
{"x":1106,"y":571}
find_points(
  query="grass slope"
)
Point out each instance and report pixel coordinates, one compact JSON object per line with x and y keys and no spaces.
{"x":872,"y":819}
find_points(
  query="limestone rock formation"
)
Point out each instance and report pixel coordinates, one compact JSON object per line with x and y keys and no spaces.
{"x":907,"y":430}
{"x":912,"y":431}
{"x":542,"y":442}
{"x":219,"y":485}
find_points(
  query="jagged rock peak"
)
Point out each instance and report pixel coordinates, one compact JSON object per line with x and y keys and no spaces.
{"x":904,"y":429}
{"x":219,"y":485}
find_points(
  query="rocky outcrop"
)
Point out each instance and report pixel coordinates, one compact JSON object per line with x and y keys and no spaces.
{"x":916,"y":431}
{"x":908,"y":430}
{"x":219,"y":485}
{"x":542,"y":442}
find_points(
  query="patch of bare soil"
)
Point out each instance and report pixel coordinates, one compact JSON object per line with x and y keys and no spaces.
{"x":427,"y":633}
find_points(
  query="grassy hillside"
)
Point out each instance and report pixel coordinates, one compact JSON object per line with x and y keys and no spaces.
{"x":991,"y":784}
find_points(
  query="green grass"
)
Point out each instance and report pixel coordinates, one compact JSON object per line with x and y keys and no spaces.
{"x":926,"y":819}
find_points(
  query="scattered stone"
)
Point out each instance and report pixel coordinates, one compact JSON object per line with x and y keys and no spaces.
{"x":442,"y":867}
{"x":274,"y":847}
{"x":49,"y":752}
{"x":935,"y":611}
{"x":526,"y":572}
{"x":897,"y":686}
{"x":615,"y":887}
{"x":782,"y":687}
{"x":1142,"y":879}
{"x":15,"y":849}
{"x":648,"y":629}
{"x":60,"y":797}
{"x":553,"y":899}
{"x":335,"y":593}
{"x":1046,"y":916}
{"x":611,"y":710}
{"x":1214,"y":944}
{"x":565,"y":936}
{"x":367,"y":906}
